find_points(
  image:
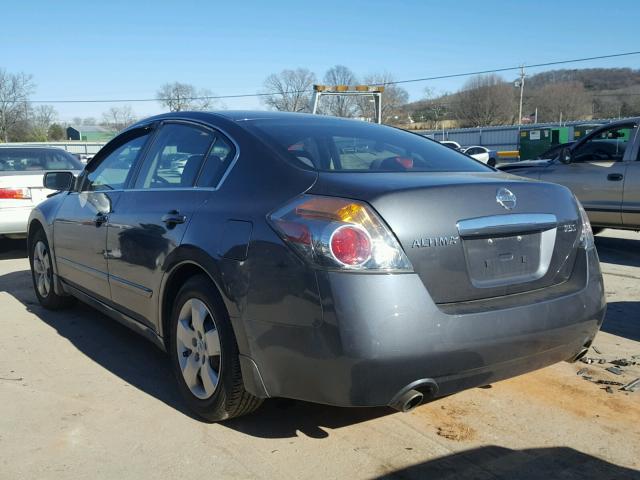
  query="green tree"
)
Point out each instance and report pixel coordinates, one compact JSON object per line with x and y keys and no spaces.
{"x":56,"y":132}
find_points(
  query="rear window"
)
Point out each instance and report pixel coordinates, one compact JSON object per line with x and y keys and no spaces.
{"x":26,"y":159}
{"x":355,"y":146}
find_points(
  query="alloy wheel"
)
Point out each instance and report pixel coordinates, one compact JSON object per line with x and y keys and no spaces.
{"x":198,"y":348}
{"x":42,"y":268}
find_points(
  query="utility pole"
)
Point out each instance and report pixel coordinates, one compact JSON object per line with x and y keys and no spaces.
{"x":522,"y":75}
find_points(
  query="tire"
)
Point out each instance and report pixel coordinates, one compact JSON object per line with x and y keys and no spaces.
{"x":203,"y":349}
{"x":42,"y":274}
{"x":491,"y":162}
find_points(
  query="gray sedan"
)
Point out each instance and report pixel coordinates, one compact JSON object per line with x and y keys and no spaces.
{"x":316,"y":258}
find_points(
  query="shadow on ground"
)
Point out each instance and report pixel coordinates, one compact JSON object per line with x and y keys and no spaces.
{"x":619,"y":251}
{"x":12,"y":249}
{"x":499,"y":463}
{"x":140,"y":364}
{"x":623,"y":319}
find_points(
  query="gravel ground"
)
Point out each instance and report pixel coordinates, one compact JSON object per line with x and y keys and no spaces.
{"x":82,"y":397}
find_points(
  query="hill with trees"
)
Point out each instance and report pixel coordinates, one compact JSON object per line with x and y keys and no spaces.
{"x":567,"y":94}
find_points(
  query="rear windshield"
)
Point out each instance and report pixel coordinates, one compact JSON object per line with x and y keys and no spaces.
{"x":357,"y":146}
{"x":33,"y":159}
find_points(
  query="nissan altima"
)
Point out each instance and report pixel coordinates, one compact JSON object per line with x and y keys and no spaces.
{"x":317,"y":258}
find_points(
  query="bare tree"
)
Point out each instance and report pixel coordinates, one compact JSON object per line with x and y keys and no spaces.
{"x":435,"y":107}
{"x":207,"y":101}
{"x":568,"y":99}
{"x":89,"y":121}
{"x":118,"y":118}
{"x":485,"y":100}
{"x":289,"y":90}
{"x":393,"y":98}
{"x":340,"y":106}
{"x":41,"y":118}
{"x":15,"y":89}
{"x":178,"y":97}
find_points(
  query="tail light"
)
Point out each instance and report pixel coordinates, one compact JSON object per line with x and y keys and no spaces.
{"x":586,"y":233}
{"x":339,"y":233}
{"x":15,"y":194}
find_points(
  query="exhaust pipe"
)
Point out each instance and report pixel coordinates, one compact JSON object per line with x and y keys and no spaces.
{"x":407,"y":401}
{"x":579,"y":355}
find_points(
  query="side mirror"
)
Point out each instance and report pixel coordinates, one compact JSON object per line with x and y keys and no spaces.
{"x":565,"y":155}
{"x":59,"y":181}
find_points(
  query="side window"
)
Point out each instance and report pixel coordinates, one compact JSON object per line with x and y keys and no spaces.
{"x":175,"y":157}
{"x":217,"y":162}
{"x":607,"y":146}
{"x":114,"y":170}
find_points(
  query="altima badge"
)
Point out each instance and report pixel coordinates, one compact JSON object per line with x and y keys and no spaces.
{"x":435,"y":241}
{"x":506,"y":198}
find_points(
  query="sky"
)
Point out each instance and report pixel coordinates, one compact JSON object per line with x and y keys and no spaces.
{"x":81,"y":50}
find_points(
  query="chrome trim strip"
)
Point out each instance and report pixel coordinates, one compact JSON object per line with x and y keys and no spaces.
{"x":228,"y":170}
{"x":134,"y":287}
{"x":506,"y":224}
{"x":83,"y":268}
{"x":117,"y":315}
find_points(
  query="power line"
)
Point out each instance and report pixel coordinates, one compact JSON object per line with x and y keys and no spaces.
{"x":507,"y":69}
{"x":398,"y":82}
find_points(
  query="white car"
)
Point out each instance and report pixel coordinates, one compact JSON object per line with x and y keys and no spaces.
{"x":451,"y":144}
{"x":482,"y":154}
{"x":22,"y":171}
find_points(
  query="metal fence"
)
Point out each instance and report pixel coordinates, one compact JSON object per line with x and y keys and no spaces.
{"x":498,"y":138}
{"x":81,"y":148}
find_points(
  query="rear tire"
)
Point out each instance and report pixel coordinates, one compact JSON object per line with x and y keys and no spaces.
{"x":42,"y":274}
{"x":204,"y":354}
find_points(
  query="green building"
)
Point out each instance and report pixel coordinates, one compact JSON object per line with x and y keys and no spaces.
{"x":536,"y":141}
{"x":581,"y":131}
{"x":90,"y":133}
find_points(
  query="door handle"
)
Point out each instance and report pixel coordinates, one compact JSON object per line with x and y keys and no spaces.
{"x":100,"y":218}
{"x":615,"y":177}
{"x":173,"y":218}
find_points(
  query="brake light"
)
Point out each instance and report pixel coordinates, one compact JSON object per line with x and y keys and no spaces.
{"x":586,"y":239}
{"x":15,"y":194}
{"x":339,"y":233}
{"x":350,"y":245}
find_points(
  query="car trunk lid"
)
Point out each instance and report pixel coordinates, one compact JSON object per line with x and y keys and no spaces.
{"x":471,"y":236}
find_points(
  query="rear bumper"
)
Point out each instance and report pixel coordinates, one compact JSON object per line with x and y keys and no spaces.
{"x":381,"y":334}
{"x":14,"y":220}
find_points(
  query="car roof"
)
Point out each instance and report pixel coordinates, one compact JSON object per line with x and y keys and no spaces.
{"x":31,"y":147}
{"x":240,"y":116}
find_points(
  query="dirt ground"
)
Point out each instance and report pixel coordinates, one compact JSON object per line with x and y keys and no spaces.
{"x":82,"y":397}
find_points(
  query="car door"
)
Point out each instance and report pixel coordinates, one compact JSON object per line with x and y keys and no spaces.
{"x":596,"y":172}
{"x":153,"y":216}
{"x":631,"y":195}
{"x":80,"y":231}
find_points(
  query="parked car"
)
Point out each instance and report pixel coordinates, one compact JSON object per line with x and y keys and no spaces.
{"x":451,"y":144}
{"x":602,"y":170}
{"x":482,"y":154}
{"x":21,"y":172}
{"x":278,"y":265}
